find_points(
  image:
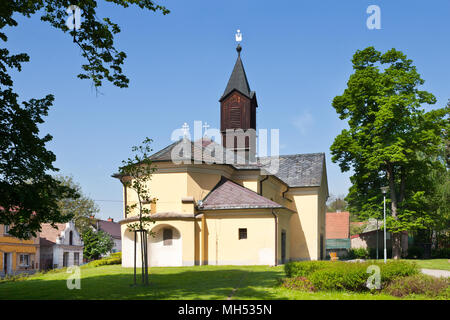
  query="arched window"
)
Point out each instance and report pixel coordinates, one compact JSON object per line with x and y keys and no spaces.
{"x":70,"y":238}
{"x":167,"y":236}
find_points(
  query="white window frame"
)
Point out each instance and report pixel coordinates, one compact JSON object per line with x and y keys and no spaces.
{"x":21,"y":259}
{"x":6,"y":230}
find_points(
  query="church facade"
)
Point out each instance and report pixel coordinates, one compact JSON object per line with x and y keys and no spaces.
{"x":231,"y":213}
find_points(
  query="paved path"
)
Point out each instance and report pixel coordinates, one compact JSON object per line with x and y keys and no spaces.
{"x":436,"y":273}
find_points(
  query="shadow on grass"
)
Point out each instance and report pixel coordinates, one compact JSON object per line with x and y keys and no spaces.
{"x":163,"y":284}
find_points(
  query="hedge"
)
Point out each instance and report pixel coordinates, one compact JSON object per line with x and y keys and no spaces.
{"x":114,"y":258}
{"x":339,"y":275}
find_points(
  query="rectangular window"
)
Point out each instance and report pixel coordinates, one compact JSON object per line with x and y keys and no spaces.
{"x":242,"y":233}
{"x":65,"y":259}
{"x":167,"y":237}
{"x":6,"y":230}
{"x":24,"y":260}
{"x":76,"y":258}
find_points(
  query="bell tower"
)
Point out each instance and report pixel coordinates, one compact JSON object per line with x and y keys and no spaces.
{"x":238,"y":112}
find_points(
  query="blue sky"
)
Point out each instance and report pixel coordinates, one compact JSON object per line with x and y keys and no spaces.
{"x":296,"y":55}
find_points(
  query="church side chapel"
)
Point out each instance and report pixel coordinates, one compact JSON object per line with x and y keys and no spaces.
{"x":229,"y":213}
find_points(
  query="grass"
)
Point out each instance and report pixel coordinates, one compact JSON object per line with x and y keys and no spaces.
{"x":441,"y":264}
{"x":200,"y":282}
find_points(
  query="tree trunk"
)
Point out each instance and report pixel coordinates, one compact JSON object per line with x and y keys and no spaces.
{"x":396,"y":237}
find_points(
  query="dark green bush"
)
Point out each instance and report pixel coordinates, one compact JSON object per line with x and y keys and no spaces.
{"x":419,"y":284}
{"x":358,"y":253}
{"x":304,"y":268}
{"x":440,"y":253}
{"x":396,"y":269}
{"x":415,"y":252}
{"x":341,"y":276}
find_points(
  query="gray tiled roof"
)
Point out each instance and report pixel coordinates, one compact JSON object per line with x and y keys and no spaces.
{"x":238,"y":81}
{"x":230,"y":195}
{"x":296,"y":170}
{"x":302,"y":170}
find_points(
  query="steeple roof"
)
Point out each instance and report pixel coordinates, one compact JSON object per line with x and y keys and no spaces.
{"x":238,"y":79}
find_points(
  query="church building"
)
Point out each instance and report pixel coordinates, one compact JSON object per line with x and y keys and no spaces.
{"x":231,"y":213}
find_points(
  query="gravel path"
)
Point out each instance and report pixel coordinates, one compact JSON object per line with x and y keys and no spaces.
{"x":436,"y":273}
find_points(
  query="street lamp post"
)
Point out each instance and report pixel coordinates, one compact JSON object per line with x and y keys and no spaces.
{"x":384,"y":190}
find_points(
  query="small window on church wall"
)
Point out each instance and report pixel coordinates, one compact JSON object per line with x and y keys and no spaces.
{"x":167,"y":237}
{"x":242,"y":233}
{"x":70,"y":238}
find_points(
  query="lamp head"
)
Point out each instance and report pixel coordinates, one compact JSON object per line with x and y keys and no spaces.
{"x":384,"y":190}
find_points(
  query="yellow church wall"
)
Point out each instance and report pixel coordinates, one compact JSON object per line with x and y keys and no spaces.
{"x":304,"y":239}
{"x":167,"y":188}
{"x":283,"y":225}
{"x":224,"y":246}
{"x":200,"y":184}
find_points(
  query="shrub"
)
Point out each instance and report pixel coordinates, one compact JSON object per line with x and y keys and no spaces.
{"x":415,"y":252}
{"x":298,"y":283}
{"x":358,"y":253}
{"x":396,"y":269}
{"x":442,"y":253}
{"x":114,"y":258}
{"x":419,"y":284}
{"x":339,"y":275}
{"x":304,"y":268}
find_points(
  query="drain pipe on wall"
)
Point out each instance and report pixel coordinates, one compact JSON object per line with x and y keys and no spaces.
{"x":276,"y":237}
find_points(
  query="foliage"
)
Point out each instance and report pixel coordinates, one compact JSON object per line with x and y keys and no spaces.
{"x":415,"y":252}
{"x":28,"y":193}
{"x":357,"y":229}
{"x":81,"y":208}
{"x":298,"y":283}
{"x":352,"y":276}
{"x":96,"y":243}
{"x":95,"y":37}
{"x":390,"y":141}
{"x":419,"y":284}
{"x":443,"y":253}
{"x":114,"y":258}
{"x":303,"y":268}
{"x":135,"y":174}
{"x":358,"y":253}
{"x":335,"y":204}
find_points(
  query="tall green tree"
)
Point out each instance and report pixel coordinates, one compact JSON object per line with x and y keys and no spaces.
{"x":81,"y":208}
{"x":28,"y":193}
{"x":391,"y":140}
{"x":96,"y":243}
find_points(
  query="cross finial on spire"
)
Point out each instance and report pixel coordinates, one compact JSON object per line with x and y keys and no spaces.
{"x":238,"y":37}
{"x":206,"y":126}
{"x":185,"y":128}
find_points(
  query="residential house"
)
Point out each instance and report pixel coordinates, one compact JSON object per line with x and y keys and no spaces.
{"x":61,"y":246}
{"x":110,"y":227}
{"x":338,"y":233}
{"x":374,"y":233}
{"x":17,"y":255}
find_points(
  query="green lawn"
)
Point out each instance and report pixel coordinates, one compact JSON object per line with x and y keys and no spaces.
{"x":442,"y":264}
{"x":201,"y":282}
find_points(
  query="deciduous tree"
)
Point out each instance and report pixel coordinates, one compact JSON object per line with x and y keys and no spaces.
{"x":391,"y":140}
